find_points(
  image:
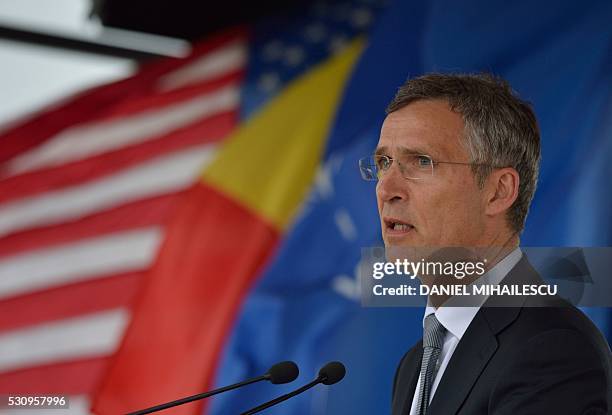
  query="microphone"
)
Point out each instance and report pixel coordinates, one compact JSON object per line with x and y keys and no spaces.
{"x":331,"y":373}
{"x":283,"y":372}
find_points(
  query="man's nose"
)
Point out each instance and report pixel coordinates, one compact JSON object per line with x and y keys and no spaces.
{"x":392,"y":186}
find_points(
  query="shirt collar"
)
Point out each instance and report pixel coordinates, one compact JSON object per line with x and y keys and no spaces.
{"x":457,"y":319}
{"x":454,"y":319}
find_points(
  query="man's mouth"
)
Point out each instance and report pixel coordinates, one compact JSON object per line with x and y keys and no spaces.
{"x":396,"y":226}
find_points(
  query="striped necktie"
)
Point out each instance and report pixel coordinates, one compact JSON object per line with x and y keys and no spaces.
{"x":433,"y":339}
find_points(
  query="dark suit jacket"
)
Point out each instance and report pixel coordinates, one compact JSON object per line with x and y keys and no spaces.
{"x":518,"y":360}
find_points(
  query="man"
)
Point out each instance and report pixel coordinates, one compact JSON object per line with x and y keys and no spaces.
{"x":457,"y":165}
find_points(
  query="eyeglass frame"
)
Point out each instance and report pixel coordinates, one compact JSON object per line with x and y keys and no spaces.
{"x":433,"y":164}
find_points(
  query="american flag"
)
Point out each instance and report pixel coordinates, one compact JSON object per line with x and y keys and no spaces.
{"x":85,"y":192}
{"x":88,"y":185}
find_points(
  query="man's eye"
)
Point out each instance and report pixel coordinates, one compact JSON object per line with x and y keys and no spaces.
{"x":423,"y":161}
{"x":383,"y":163}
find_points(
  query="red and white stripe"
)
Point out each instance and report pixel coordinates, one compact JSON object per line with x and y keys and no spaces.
{"x":84,"y":200}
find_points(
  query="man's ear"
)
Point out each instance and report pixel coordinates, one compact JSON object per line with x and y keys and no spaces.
{"x":502,"y":188}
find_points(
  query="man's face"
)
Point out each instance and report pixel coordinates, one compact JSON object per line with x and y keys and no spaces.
{"x":446,"y":209}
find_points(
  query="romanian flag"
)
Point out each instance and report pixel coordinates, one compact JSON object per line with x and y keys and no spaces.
{"x":227,"y":228}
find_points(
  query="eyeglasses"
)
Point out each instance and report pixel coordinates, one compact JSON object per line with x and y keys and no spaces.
{"x":412,"y":166}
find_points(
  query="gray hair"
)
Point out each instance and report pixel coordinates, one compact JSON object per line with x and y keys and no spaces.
{"x":500,"y":129}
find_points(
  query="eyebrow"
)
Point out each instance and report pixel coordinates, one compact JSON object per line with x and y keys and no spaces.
{"x":383,"y":150}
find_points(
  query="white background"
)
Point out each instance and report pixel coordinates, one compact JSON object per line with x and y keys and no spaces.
{"x":32,"y":77}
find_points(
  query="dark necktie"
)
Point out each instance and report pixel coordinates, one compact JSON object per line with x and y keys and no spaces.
{"x":433,"y":339}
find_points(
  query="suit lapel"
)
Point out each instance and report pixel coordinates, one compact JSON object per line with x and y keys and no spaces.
{"x":478,"y":345}
{"x":415,"y":369}
{"x":408,"y":377}
{"x":465,"y":366}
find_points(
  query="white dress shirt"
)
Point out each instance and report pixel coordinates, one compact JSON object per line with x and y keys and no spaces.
{"x":456,"y":320}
